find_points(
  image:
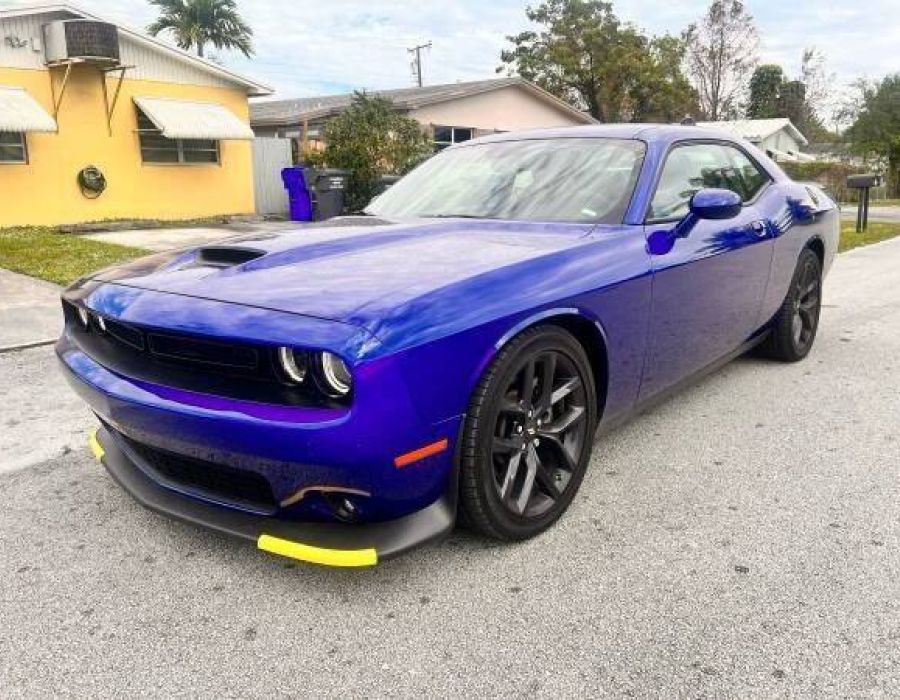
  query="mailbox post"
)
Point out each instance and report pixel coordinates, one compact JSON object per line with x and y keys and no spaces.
{"x":863,"y":183}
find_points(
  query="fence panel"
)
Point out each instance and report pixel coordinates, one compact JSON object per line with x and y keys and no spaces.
{"x":270,"y":155}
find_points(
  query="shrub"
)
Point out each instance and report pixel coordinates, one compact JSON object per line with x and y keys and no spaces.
{"x":831,"y":176}
{"x":371,"y":139}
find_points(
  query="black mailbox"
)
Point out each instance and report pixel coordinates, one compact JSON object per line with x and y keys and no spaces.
{"x":864,"y":183}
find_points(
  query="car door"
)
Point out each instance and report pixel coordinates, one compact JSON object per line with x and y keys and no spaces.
{"x":708,"y":289}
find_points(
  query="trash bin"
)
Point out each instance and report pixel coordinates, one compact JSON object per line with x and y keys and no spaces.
{"x":300,"y":203}
{"x":328,"y":186}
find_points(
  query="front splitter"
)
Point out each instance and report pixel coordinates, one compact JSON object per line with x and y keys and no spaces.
{"x":329,"y":544}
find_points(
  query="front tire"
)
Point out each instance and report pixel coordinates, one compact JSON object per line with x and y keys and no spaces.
{"x":528,"y":435}
{"x":797,"y":321}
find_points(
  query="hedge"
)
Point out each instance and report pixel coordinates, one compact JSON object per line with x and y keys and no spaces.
{"x":831,"y":176}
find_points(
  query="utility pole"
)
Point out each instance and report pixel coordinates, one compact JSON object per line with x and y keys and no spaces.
{"x":417,"y":61}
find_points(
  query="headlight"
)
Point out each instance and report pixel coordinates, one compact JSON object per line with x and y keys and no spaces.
{"x":293,"y":364}
{"x":335,"y":373}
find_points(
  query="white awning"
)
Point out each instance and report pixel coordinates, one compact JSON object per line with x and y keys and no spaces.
{"x":19,"y":112}
{"x":178,"y":119}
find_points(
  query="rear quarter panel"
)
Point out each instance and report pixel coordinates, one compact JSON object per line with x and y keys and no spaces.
{"x":795,"y":230}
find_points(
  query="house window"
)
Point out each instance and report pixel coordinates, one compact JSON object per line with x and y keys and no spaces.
{"x":445,"y":136}
{"x":156,"y":148}
{"x":12,"y":148}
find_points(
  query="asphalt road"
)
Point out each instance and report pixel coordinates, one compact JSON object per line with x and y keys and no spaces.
{"x":889,"y":214}
{"x":742,"y":539}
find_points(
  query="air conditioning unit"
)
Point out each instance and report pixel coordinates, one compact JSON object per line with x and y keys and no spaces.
{"x":81,"y":39}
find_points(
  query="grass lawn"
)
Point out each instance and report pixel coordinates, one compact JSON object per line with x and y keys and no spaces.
{"x":876,"y":232}
{"x":58,"y":257}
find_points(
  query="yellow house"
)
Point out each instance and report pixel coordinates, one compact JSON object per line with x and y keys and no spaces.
{"x":100,"y":122}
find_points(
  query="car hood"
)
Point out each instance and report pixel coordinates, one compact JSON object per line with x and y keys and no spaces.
{"x":353,"y":269}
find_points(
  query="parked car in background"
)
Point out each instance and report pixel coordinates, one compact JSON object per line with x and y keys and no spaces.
{"x":339,"y":393}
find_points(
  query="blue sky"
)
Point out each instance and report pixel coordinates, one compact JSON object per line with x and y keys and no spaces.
{"x":311,"y":47}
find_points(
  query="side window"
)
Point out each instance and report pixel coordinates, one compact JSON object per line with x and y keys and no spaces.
{"x":687,"y":170}
{"x":691,"y":168}
{"x":749,"y":179}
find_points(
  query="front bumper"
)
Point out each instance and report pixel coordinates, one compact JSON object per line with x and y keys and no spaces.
{"x":296,"y":450}
{"x":330,"y":544}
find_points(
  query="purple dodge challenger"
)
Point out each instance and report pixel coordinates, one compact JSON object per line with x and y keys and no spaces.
{"x":342,"y":392}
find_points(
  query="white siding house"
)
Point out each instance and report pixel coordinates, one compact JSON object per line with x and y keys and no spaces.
{"x":779,"y":138}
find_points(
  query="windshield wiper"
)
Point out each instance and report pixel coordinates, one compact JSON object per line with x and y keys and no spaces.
{"x":456,"y":216}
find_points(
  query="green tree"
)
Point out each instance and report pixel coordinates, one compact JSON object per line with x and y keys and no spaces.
{"x":195,"y":23}
{"x":765,"y":89}
{"x":585,"y":55}
{"x":371,"y":139}
{"x":800,"y":100}
{"x":792,"y":104}
{"x":721,"y":55}
{"x":664,"y":93}
{"x":876,"y":130}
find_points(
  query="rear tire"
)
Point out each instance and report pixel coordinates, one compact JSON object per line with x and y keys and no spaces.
{"x":797,"y":321}
{"x":528,"y":435}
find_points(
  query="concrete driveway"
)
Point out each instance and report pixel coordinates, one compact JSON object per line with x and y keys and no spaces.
{"x":741,"y":540}
{"x":30,"y":311}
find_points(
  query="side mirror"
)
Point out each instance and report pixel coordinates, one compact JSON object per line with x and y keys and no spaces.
{"x":715,"y":204}
{"x":709,"y":203}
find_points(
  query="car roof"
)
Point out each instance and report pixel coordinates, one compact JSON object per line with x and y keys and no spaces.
{"x":664,"y":133}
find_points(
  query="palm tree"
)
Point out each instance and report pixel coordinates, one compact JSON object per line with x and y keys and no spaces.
{"x":196,"y":23}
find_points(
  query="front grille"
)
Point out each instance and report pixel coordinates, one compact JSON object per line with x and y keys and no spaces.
{"x":182,"y":349}
{"x":125,"y":334}
{"x":236,"y":370}
{"x":206,"y":479}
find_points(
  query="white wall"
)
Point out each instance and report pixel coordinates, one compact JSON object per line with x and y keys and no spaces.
{"x":149,"y":63}
{"x":25,"y":28}
{"x":780,"y":141}
{"x":509,"y":109}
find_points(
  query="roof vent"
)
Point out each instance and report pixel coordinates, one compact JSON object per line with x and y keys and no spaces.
{"x":81,"y":40}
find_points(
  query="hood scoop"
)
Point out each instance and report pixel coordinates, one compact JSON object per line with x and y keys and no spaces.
{"x":225,"y":256}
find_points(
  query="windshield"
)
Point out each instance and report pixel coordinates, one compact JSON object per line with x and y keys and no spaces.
{"x":572,"y":179}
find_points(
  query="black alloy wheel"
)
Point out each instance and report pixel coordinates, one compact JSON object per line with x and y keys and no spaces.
{"x":528,"y":435}
{"x":797,"y":322}
{"x":807,"y":304}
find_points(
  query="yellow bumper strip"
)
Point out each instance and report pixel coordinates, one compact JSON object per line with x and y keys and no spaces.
{"x":317,"y":555}
{"x":96,"y":448}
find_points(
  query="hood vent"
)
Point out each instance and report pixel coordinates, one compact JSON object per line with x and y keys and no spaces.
{"x":226,"y":256}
